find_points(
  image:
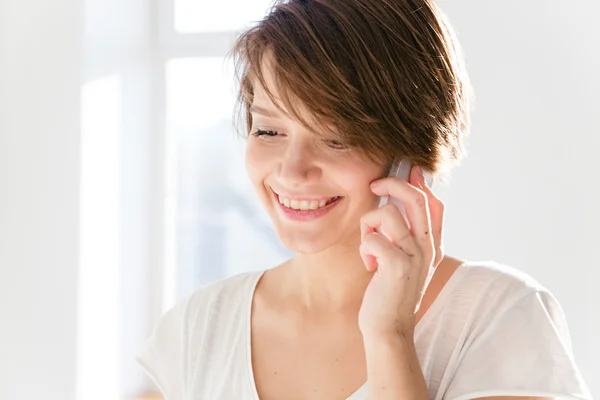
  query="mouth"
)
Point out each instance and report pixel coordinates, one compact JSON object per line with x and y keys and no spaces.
{"x":306,"y":209}
{"x":306,"y":205}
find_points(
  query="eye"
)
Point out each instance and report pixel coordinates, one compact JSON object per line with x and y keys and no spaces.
{"x":336,"y":144}
{"x":260,"y":132}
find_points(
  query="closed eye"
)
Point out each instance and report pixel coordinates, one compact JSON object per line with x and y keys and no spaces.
{"x":267,"y":134}
{"x":337,"y":144}
{"x":260,"y":132}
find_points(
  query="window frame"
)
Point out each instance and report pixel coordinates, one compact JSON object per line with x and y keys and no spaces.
{"x":169,"y":44}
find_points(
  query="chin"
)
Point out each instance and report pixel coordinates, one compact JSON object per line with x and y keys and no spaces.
{"x":303,"y":235}
{"x":302,"y":242}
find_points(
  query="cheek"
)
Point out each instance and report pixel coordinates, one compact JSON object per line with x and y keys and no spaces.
{"x":258,"y":166}
{"x":357,"y":186}
{"x":357,"y":178}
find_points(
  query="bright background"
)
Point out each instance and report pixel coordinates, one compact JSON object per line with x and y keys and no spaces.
{"x":122,"y":186}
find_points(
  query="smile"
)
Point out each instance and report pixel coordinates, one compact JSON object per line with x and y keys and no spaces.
{"x":305,"y":204}
{"x":306,"y":209}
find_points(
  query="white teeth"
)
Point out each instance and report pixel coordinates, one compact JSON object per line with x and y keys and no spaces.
{"x":304,"y":204}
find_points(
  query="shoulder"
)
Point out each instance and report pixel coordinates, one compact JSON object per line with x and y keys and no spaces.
{"x":230,"y":292}
{"x":224,"y":286}
{"x":191,"y":328}
{"x":224,"y":298}
{"x":481,"y":293}
{"x":494,"y":274}
{"x":509,"y":337}
{"x":489,"y":299}
{"x":494,"y":284}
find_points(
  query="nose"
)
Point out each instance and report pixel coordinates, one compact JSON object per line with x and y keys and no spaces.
{"x":298,"y":167}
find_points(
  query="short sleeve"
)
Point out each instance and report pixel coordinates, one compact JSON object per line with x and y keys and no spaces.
{"x":524,"y":351}
{"x":164,"y":355}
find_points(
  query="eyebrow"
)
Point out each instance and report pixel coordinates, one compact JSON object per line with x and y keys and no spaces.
{"x":263,"y":111}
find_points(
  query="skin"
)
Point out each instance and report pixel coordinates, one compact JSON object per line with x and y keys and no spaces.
{"x":350,"y":293}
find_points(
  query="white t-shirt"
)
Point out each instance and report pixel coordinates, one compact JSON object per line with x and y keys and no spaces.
{"x":492,"y":331}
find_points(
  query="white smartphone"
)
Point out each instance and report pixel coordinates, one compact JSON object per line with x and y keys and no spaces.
{"x":401,"y":169}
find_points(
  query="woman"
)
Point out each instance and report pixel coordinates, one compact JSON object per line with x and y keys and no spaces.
{"x":333,"y":92}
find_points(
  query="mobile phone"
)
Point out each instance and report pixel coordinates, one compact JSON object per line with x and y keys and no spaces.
{"x":401,"y":169}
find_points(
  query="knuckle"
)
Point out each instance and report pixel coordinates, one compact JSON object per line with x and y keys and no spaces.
{"x":370,"y":239}
{"x":363,"y":218}
{"x":366,"y":217}
{"x":420,"y":199}
{"x":405,"y":235}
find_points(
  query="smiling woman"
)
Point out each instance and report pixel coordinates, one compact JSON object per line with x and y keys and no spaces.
{"x":332,"y":93}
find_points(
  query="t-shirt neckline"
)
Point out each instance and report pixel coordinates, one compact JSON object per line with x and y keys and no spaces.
{"x":433,"y":309}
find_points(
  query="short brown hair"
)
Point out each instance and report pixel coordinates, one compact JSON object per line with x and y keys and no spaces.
{"x":387,"y":75}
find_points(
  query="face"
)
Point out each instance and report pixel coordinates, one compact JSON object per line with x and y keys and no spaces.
{"x":314,"y":189}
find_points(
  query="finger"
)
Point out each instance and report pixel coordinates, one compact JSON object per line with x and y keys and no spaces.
{"x":369,"y":260}
{"x":437,"y":212}
{"x":386,"y":255}
{"x":415,"y":202}
{"x":388,"y":221}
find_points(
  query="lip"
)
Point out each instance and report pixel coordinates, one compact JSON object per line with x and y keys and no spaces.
{"x":300,"y":197}
{"x":305,"y":215}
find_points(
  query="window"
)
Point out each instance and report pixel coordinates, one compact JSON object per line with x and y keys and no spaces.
{"x":215,"y":226}
{"x":166,"y":203}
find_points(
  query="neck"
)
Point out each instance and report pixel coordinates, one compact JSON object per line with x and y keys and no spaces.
{"x":331,"y":281}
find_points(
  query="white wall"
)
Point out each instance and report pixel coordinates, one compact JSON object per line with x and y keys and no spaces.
{"x":40,"y":74}
{"x":73,"y":275}
{"x":528,"y":193}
